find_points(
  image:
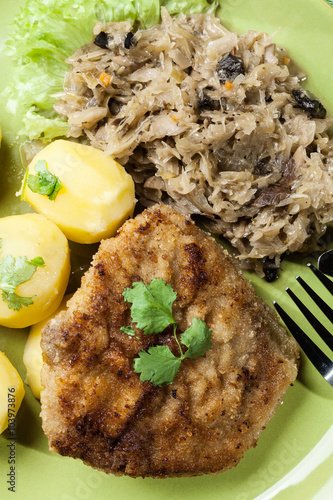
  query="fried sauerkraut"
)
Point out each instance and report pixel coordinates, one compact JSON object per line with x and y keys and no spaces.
{"x":211,"y":123}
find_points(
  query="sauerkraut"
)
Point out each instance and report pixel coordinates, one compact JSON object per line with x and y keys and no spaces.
{"x":211,"y":123}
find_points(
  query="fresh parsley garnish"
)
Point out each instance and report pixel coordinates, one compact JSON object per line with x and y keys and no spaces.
{"x":129,"y":330}
{"x":151,"y":310}
{"x":158,"y":365}
{"x":13,"y":272}
{"x":151,"y":305}
{"x":44,"y":182}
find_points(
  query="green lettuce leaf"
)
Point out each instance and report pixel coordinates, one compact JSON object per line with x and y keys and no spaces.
{"x":46,"y":32}
{"x":174,"y":7}
{"x":46,"y":126}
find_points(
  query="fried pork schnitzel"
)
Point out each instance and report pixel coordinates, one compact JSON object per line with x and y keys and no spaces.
{"x":94,"y":406}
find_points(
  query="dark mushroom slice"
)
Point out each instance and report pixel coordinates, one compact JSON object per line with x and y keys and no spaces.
{"x":129,"y":40}
{"x":312,"y":106}
{"x":273,"y":194}
{"x":229,"y":67}
{"x":114,"y":106}
{"x":270,"y":269}
{"x":101,"y":40}
{"x":205,"y":102}
{"x":263,"y":167}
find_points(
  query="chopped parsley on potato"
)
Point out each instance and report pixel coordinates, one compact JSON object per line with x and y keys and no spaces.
{"x":94,"y":194}
{"x":34,"y":269}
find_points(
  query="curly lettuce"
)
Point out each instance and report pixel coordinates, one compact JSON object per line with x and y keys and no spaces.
{"x":46,"y":32}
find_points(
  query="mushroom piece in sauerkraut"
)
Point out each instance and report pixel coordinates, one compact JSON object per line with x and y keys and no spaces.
{"x":211,"y":123}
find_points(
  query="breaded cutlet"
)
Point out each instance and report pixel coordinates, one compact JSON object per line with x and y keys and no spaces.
{"x":94,"y":406}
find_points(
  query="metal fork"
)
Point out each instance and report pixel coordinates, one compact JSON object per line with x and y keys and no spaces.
{"x":317,"y":357}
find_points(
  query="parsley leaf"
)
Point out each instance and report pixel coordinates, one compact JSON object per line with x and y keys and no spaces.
{"x":129,"y":330}
{"x":151,"y":310}
{"x":44,"y":182}
{"x":197,"y":339}
{"x":15,"y":301}
{"x":13,"y":272}
{"x":158,"y":365}
{"x":151,"y":305}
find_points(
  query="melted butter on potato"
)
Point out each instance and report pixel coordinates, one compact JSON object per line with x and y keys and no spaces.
{"x":11,"y":392}
{"x":32,"y":236}
{"x":96,"y":197}
{"x":32,"y":356}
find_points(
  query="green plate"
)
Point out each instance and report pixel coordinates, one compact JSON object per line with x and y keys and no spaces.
{"x":293,"y":458}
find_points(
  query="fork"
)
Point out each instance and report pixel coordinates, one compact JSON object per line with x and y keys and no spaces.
{"x":317,"y":357}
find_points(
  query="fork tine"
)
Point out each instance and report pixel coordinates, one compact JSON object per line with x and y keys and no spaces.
{"x":327,"y":310}
{"x":321,"y":276}
{"x":319,"y":327}
{"x":319,"y":359}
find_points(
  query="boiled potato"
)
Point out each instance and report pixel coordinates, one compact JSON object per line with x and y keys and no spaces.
{"x":32,"y":236}
{"x":11,"y":393}
{"x":32,"y":356}
{"x":96,"y":197}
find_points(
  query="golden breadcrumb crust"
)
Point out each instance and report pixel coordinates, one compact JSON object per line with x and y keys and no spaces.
{"x":95,"y":407}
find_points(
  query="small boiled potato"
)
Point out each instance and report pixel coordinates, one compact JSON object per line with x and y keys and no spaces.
{"x":96,"y":197}
{"x":11,"y":392}
{"x":32,"y":356}
{"x":31,"y":236}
